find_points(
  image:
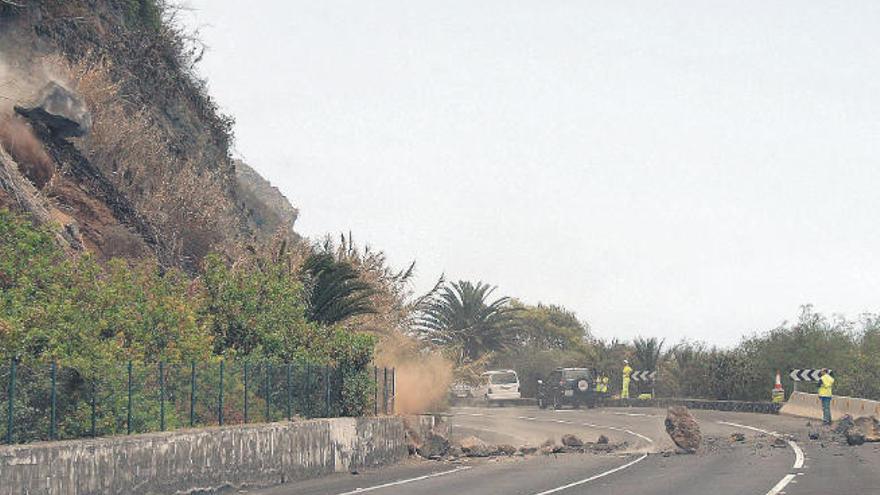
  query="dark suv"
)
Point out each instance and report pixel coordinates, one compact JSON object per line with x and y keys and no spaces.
{"x":568,"y":386}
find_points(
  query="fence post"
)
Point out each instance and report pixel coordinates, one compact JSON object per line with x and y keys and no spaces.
{"x":220,"y":401}
{"x":308,"y":388}
{"x":289,"y":415}
{"x":376,"y":391}
{"x":9,"y":408}
{"x":326,"y":390}
{"x":268,"y":369}
{"x":245,"y":392}
{"x":161,"y":396}
{"x":393,"y":388}
{"x":385,"y":391}
{"x":192,"y":394}
{"x":94,"y":414}
{"x":128,"y":420}
{"x":53,"y":398}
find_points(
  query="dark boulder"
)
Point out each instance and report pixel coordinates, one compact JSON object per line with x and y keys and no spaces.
{"x":570,"y":440}
{"x":60,"y":110}
{"x":434,"y":446}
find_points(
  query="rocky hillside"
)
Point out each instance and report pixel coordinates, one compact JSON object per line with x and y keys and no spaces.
{"x":268,"y":211}
{"x":107,"y":134}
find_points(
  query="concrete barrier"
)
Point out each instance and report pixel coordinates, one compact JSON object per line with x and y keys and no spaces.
{"x":809,"y":406}
{"x":203,"y":460}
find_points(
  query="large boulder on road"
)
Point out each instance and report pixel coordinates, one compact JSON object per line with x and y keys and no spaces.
{"x":869,"y":427}
{"x":434,"y":446}
{"x":683,"y":429}
{"x":61,"y":110}
{"x":860,"y":430}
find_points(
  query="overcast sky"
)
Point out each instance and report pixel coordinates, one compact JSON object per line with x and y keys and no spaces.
{"x":683,"y":169}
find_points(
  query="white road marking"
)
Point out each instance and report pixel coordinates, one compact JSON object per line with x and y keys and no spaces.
{"x":776,"y":490}
{"x":592,"y":478}
{"x":798,"y":457}
{"x":635,"y":415}
{"x":403,"y":482}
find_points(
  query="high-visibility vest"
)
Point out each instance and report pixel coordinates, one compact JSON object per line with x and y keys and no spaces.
{"x":825,"y":384}
{"x":627,"y":371}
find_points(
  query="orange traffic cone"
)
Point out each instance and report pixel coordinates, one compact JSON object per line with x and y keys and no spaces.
{"x":778,"y":394}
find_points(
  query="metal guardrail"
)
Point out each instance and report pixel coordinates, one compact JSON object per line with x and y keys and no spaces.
{"x":52,"y":402}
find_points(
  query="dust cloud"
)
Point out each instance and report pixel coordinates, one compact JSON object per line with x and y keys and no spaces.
{"x":23,"y":73}
{"x":18,"y":139}
{"x":422,"y":375}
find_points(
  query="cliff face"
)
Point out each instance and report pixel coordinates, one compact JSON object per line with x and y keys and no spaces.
{"x":268,"y":211}
{"x":152,"y":175}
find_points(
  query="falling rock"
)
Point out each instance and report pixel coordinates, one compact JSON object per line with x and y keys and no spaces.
{"x":61,"y":110}
{"x":683,"y":428}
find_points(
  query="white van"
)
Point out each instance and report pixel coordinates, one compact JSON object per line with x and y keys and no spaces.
{"x":498,"y":386}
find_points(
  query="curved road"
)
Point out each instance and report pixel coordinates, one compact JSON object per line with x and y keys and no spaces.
{"x":794,"y":467}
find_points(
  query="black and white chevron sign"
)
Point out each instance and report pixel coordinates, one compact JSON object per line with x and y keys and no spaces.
{"x":805,"y":375}
{"x":644,"y":376}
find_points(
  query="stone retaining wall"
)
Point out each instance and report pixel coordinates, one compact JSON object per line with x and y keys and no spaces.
{"x":203,"y":460}
{"x":716,"y":405}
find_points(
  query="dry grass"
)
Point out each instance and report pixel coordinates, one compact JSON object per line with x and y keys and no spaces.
{"x":187,"y":201}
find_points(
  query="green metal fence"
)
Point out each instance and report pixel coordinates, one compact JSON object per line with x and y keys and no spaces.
{"x":57,"y":403}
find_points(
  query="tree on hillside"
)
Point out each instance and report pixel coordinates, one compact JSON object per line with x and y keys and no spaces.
{"x":460,"y":317}
{"x":549,"y":327}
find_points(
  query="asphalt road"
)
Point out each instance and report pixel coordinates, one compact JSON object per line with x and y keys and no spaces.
{"x":799,"y":467}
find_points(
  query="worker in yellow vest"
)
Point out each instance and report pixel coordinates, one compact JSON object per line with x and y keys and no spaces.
{"x":826,"y":381}
{"x":602,"y":384}
{"x":627,"y":371}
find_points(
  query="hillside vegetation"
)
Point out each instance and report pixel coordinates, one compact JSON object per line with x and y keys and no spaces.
{"x":154,"y":176}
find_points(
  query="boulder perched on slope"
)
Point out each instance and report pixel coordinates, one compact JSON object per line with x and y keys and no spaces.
{"x":683,"y":428}
{"x":61,"y":110}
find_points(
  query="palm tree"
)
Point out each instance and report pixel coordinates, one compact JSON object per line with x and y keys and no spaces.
{"x":335,"y":290}
{"x":460,"y":316}
{"x":648,"y":352}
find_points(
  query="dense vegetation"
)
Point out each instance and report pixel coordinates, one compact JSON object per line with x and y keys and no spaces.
{"x":535,"y":339}
{"x":93,"y":317}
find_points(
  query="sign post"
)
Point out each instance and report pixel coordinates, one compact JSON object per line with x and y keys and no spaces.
{"x":805,"y":375}
{"x":645,"y":376}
